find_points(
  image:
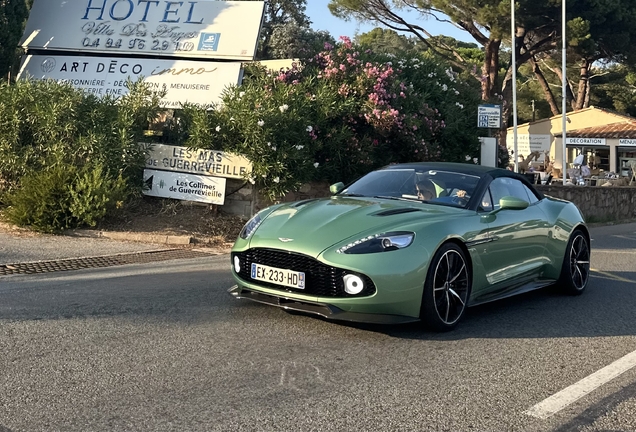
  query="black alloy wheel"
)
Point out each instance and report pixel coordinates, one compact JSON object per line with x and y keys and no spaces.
{"x":446,"y":289}
{"x":575,"y":271}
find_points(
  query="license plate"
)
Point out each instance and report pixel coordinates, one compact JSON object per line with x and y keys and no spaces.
{"x":292,"y":279}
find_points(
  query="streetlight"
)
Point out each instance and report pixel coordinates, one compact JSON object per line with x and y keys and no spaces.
{"x":563,"y":84}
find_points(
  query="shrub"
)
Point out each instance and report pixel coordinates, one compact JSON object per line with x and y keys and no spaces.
{"x":56,"y":143}
{"x":64,"y":197}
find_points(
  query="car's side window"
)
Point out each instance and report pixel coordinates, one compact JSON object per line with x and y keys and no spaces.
{"x":486,"y":201}
{"x":519,"y":190}
{"x":504,"y":186}
{"x":498,"y":189}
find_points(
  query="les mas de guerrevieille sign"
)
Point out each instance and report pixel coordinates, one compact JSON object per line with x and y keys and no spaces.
{"x":187,"y":29}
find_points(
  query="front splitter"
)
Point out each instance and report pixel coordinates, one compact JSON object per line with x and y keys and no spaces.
{"x":324,"y":310}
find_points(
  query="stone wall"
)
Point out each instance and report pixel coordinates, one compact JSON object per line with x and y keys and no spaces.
{"x":239,"y":197}
{"x":597,"y":203}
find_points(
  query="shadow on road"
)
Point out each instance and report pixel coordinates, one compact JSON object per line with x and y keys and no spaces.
{"x":605,"y":309}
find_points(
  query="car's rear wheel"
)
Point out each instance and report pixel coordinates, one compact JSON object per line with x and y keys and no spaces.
{"x":446,"y":289}
{"x":575,"y":271}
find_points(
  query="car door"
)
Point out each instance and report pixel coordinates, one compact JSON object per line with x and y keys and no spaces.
{"x":516,"y":253}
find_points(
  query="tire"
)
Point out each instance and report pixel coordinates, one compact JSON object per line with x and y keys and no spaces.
{"x":575,"y":271}
{"x":446,"y":289}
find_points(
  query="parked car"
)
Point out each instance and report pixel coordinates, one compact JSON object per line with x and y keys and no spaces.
{"x":408,"y":242}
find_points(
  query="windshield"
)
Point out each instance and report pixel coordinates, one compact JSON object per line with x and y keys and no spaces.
{"x":431,"y":186}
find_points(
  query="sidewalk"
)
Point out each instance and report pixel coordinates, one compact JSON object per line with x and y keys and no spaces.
{"x":21,"y":246}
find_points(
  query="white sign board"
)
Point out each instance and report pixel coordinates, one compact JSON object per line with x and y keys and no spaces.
{"x":489,"y":116}
{"x":186,"y":187}
{"x":627,"y":142}
{"x":584,"y":141}
{"x":488,"y":152}
{"x":528,"y":143}
{"x":197,"y":161}
{"x":188,"y":29}
{"x":196,"y":82}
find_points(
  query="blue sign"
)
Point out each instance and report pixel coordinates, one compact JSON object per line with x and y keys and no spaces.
{"x":209,"y":41}
{"x":489,"y":116}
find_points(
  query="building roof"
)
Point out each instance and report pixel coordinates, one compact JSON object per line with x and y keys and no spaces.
{"x":619,"y":116}
{"x":625,"y":129}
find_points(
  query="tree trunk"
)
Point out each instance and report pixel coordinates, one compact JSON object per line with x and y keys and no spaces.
{"x":549,"y":96}
{"x":584,"y":84}
{"x":490,"y":69}
{"x":569,"y":94}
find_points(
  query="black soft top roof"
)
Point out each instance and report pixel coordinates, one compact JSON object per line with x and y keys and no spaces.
{"x":465,"y":168}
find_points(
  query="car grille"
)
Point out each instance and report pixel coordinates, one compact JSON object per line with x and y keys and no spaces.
{"x":320,"y":279}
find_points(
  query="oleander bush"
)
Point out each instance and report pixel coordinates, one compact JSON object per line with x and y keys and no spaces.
{"x":340,"y":114}
{"x":69,"y":158}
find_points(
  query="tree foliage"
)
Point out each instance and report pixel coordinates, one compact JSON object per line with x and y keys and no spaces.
{"x":386,"y":41}
{"x":290,"y":40}
{"x":597,"y":30}
{"x":13,"y":15}
{"x":280,"y":13}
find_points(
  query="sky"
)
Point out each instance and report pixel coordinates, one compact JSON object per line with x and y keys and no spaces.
{"x":323,"y":20}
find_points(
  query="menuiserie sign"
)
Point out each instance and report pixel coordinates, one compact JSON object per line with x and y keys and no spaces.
{"x":196,"y":82}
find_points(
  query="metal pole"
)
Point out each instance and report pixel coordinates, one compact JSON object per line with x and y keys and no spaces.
{"x":563,"y":87}
{"x":513,"y":34}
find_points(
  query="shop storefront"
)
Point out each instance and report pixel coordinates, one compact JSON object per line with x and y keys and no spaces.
{"x":538,"y":145}
{"x":626,"y":153}
{"x":608,"y":150}
{"x":596,"y":153}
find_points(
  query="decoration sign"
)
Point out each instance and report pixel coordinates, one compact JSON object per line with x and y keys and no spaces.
{"x":196,"y":82}
{"x":188,"y":29}
{"x":489,"y":116}
{"x":584,"y":141}
{"x":627,"y":142}
{"x":187,"y":187}
{"x":196,"y":161}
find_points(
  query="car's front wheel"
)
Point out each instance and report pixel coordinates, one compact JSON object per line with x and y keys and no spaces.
{"x":446,"y":289}
{"x":575,"y":271}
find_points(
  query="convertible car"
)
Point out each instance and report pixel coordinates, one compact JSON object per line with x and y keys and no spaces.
{"x":410,"y":242}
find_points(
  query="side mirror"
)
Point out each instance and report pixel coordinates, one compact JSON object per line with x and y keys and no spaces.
{"x":336,"y":187}
{"x":512,"y":203}
{"x":505,"y":203}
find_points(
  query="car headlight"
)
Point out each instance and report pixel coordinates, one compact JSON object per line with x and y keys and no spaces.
{"x":379,"y":243}
{"x":250,"y":226}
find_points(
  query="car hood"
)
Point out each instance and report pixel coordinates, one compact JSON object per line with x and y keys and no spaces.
{"x":311,"y":226}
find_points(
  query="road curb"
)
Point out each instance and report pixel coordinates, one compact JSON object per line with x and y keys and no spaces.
{"x":167,"y":239}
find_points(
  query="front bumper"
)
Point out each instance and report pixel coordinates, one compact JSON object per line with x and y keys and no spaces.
{"x":324,"y":310}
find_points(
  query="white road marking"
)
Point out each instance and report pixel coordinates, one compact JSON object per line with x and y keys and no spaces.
{"x":571,"y":394}
{"x":614,"y":251}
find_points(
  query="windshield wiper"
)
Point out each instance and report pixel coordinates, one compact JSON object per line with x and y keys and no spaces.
{"x":398,"y":198}
{"x":353,"y":195}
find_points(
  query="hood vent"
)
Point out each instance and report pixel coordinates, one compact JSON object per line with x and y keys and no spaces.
{"x":302,"y":203}
{"x":396,"y":211}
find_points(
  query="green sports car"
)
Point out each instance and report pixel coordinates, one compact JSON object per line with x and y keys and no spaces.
{"x":409,"y":242}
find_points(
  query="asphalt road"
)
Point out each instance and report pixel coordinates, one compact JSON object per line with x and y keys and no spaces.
{"x":161,"y":346}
